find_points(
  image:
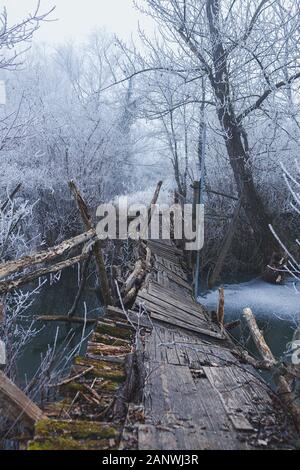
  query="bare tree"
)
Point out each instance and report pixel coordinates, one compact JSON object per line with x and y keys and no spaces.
{"x":15,"y":37}
{"x":248,"y":52}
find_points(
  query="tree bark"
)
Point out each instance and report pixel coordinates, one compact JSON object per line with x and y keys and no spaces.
{"x":258,"y":338}
{"x":235,"y":137}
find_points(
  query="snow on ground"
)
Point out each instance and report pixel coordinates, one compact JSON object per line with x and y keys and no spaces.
{"x":265,"y":300}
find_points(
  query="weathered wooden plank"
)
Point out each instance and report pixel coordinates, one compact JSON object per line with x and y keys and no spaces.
{"x":182,"y":324}
{"x":170,"y":314}
{"x":139,"y":320}
{"x":177,"y":282}
{"x":184,"y":414}
{"x":171,"y":349}
{"x":165,"y":312}
{"x":232,"y":395}
{"x":177,"y":299}
{"x":15,"y":405}
{"x":53,"y":434}
{"x":174,"y":305}
{"x":151,"y":438}
{"x":173,"y":267}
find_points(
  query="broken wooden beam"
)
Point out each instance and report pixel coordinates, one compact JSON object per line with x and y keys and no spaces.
{"x":7,"y":286}
{"x":15,"y":405}
{"x":106,"y":296}
{"x":258,"y":338}
{"x":11,"y":267}
{"x":66,"y":319}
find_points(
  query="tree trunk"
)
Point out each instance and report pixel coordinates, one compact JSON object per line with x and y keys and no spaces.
{"x":236,"y":138}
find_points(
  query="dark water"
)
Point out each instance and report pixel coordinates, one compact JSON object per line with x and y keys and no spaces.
{"x":57,"y":299}
{"x":266,"y":301}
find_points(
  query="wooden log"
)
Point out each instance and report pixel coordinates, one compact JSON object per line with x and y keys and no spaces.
{"x":258,"y":338}
{"x":66,"y":319}
{"x":7,"y":286}
{"x":245,"y":357}
{"x":12,"y":267}
{"x":15,"y":405}
{"x":104,"y":349}
{"x":74,"y":377}
{"x":100,"y":265}
{"x":220,"y":312}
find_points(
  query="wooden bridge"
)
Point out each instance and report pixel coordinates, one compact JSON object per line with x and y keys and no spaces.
{"x":163,"y":375}
{"x":159,"y":373}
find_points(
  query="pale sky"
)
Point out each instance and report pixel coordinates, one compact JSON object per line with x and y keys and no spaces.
{"x":76,"y":18}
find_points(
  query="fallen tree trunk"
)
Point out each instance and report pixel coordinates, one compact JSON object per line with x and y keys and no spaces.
{"x":258,"y":338}
{"x":7,"y":286}
{"x":15,"y":405}
{"x":100,"y":265}
{"x":12,"y":267}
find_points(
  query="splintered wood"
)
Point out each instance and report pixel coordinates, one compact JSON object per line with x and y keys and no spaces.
{"x":15,"y":405}
{"x":163,"y":376}
{"x":198,"y":394}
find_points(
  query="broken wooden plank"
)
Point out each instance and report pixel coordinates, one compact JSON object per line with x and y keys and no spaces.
{"x":232,"y":396}
{"x":182,"y":324}
{"x":15,"y":405}
{"x":258,"y":337}
{"x":182,"y":413}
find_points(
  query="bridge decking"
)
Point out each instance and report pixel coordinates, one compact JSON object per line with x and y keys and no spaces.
{"x":197,"y":393}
